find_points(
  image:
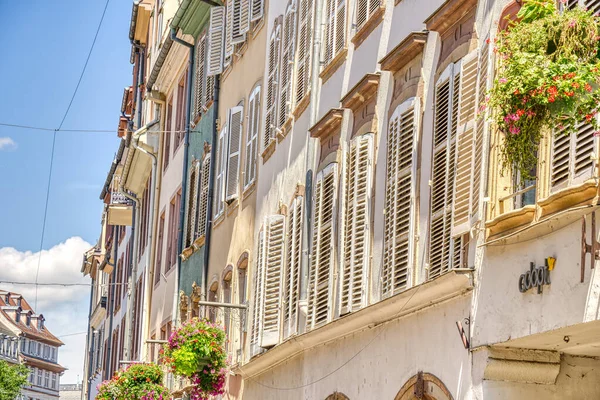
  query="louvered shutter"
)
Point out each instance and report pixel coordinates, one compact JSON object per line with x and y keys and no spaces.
{"x":399,"y":226}
{"x":215,"y":40}
{"x":592,"y":5}
{"x":335,"y":34}
{"x":573,"y":157}
{"x":322,"y":262}
{"x":252,"y":137}
{"x":287,"y":63}
{"x":257,"y":9}
{"x":465,"y":144}
{"x":272,"y":87}
{"x":274,"y":258}
{"x":203,"y":198}
{"x":357,"y":232}
{"x":303,"y":62}
{"x":236,"y":115}
{"x":481,"y":129}
{"x":192,"y":203}
{"x":293,"y":251}
{"x":257,"y":303}
{"x":240,"y":23}
{"x":229,"y":29}
{"x":364,"y":11}
{"x":443,"y":171}
{"x":220,"y":175}
{"x":199,"y":81}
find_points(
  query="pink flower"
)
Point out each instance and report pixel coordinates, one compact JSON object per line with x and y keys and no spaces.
{"x":503,"y":80}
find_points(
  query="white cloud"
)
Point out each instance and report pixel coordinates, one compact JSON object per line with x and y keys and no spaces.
{"x":65,"y":308}
{"x":7,"y":143}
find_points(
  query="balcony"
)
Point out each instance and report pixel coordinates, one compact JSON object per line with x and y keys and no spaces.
{"x":99,"y":312}
{"x":120,"y":210}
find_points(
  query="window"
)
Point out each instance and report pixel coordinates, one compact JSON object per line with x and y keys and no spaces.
{"x":54,"y":381}
{"x":335,"y":28}
{"x":32,"y":375}
{"x":47,"y":379}
{"x":571,"y":161}
{"x":159,"y":23}
{"x":236,"y":117}
{"x":39,"y":376}
{"x":322,"y":262}
{"x":252,"y":137}
{"x":227,"y":299}
{"x":174,"y":208}
{"x":257,"y":9}
{"x":304,"y":51}
{"x":272,"y":87}
{"x":357,"y":230}
{"x":240,"y":23}
{"x":167,"y":134}
{"x":273,"y":266}
{"x":204,"y":84}
{"x":287,"y":63}
{"x":203,"y":198}
{"x":293,"y":259}
{"x":180,"y":112}
{"x":220,"y":173}
{"x":192,"y":203}
{"x":159,"y":249}
{"x":257,"y":302}
{"x":399,"y":197}
{"x":215,"y":41}
{"x":364,"y":11}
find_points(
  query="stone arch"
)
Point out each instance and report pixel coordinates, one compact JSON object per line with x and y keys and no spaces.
{"x":424,"y":386}
{"x":337,"y":396}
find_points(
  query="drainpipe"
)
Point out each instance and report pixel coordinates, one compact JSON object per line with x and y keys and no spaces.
{"x":111,"y":303}
{"x":310,"y":159}
{"x":209,"y":206}
{"x":186,"y":142}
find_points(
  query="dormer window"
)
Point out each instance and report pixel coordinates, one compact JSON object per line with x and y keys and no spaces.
{"x":28,"y":323}
{"x":17,"y":317}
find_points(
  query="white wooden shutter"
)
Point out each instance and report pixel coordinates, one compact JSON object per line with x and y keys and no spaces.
{"x":287,"y":63}
{"x":229,"y":29}
{"x":199,"y":81}
{"x":272,"y":86}
{"x":192,"y":203}
{"x":481,"y":129}
{"x":252,"y":137}
{"x":465,"y":144}
{"x":399,"y":231}
{"x":303,"y":62}
{"x":443,"y":171}
{"x":236,"y":115}
{"x":322,"y":264}
{"x":203,"y":201}
{"x":258,"y":300}
{"x":274,"y":258}
{"x":335,"y":31}
{"x":257,"y":9}
{"x":240,"y":21}
{"x":357,"y":232}
{"x":573,"y":157}
{"x":364,"y":11}
{"x":220,"y":175}
{"x":293,"y":249}
{"x":592,"y":5}
{"x":215,"y":40}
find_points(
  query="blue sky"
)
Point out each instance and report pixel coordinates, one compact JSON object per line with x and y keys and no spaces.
{"x":43,"y":50}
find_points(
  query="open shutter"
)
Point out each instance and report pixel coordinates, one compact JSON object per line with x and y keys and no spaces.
{"x":252,"y":137}
{"x":274,"y":257}
{"x":291,"y":284}
{"x":257,"y":9}
{"x":287,"y":63}
{"x":203,"y":198}
{"x":272,"y":86}
{"x":215,"y":40}
{"x":229,"y":29}
{"x":192,"y":203}
{"x":240,"y":23}
{"x":220,"y":176}
{"x":357,"y":238}
{"x":364,"y":11}
{"x":398,"y":259}
{"x":236,"y":115}
{"x":303,"y":63}
{"x":465,"y":141}
{"x":199,"y":81}
{"x":322,"y":264}
{"x":481,"y":129}
{"x":340,"y":26}
{"x":572,"y":157}
{"x":443,"y":171}
{"x":257,"y":303}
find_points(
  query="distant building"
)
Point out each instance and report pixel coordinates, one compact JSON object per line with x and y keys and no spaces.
{"x":37,"y":348}
{"x":70,"y":391}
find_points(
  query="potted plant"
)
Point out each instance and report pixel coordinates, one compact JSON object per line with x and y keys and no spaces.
{"x":196,"y":351}
{"x":137,"y":382}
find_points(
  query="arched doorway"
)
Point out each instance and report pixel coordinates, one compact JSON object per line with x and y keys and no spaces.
{"x":337,"y":396}
{"x":424,"y":386}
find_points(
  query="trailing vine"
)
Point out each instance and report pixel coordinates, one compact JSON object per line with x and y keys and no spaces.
{"x":547,"y":79}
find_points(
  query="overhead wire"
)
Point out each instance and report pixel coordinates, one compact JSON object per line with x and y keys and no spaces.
{"x":85,"y":130}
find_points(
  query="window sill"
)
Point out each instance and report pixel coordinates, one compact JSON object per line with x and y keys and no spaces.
{"x":231,"y":207}
{"x":568,"y":197}
{"x":333,"y":65}
{"x":268,"y":151}
{"x":510,"y":220}
{"x":302,"y":105}
{"x":285,"y":129}
{"x":257,"y":27}
{"x":368,"y":27}
{"x":199,"y":242}
{"x":249,"y":190}
{"x":218,"y":219}
{"x":187,"y":252}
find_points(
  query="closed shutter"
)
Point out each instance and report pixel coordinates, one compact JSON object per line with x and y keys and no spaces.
{"x":481,"y":129}
{"x":357,"y":235}
{"x":257,"y":9}
{"x":203,"y":201}
{"x":573,"y":157}
{"x":274,"y":258}
{"x":192,"y":203}
{"x":229,"y":30}
{"x":215,"y":40}
{"x":443,"y":171}
{"x":240,"y":23}
{"x":399,"y":231}
{"x":252,"y":137}
{"x":236,"y":115}
{"x":291,"y":284}
{"x":287,"y":63}
{"x":257,"y":303}
{"x":322,"y":262}
{"x":303,"y":62}
{"x":335,"y":31}
{"x":199,"y":81}
{"x":364,"y":10}
{"x":272,"y":86}
{"x":220,"y":175}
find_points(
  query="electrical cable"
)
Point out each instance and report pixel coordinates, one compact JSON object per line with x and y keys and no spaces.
{"x":60,"y":284}
{"x":39,"y":128}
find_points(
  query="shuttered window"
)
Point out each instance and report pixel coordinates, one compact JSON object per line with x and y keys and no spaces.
{"x":203,"y":196}
{"x":443,"y":171}
{"x":220,"y":172}
{"x":257,"y":301}
{"x":216,"y":36}
{"x":257,"y":9}
{"x":241,"y":20}
{"x":481,"y":131}
{"x":303,"y":61}
{"x":357,"y":233}
{"x":287,"y":63}
{"x":364,"y":11}
{"x":274,"y":258}
{"x":322,"y":261}
{"x":291,"y":281}
{"x":199,"y":76}
{"x":572,"y":157}
{"x":192,"y":203}
{"x":272,"y":86}
{"x":399,"y":226}
{"x":335,"y":28}
{"x":229,"y":31}
{"x":252,"y":137}
{"x":236,"y":115}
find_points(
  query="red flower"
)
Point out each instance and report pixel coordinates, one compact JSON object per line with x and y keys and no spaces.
{"x":569,"y":94}
{"x":551,"y":99}
{"x":588,"y":87}
{"x":575,"y":85}
{"x":520,"y":112}
{"x":552,"y":90}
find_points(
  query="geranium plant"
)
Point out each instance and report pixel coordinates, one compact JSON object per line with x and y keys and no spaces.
{"x":547,"y":79}
{"x":135,"y":382}
{"x":196,"y":351}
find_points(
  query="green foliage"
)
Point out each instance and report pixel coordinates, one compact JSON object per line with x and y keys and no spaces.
{"x":547,"y":79}
{"x":12,"y":379}
{"x":137,"y":382}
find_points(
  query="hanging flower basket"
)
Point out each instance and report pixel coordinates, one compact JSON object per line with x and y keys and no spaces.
{"x":135,"y":382}
{"x":547,"y":80}
{"x":197,"y":351}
